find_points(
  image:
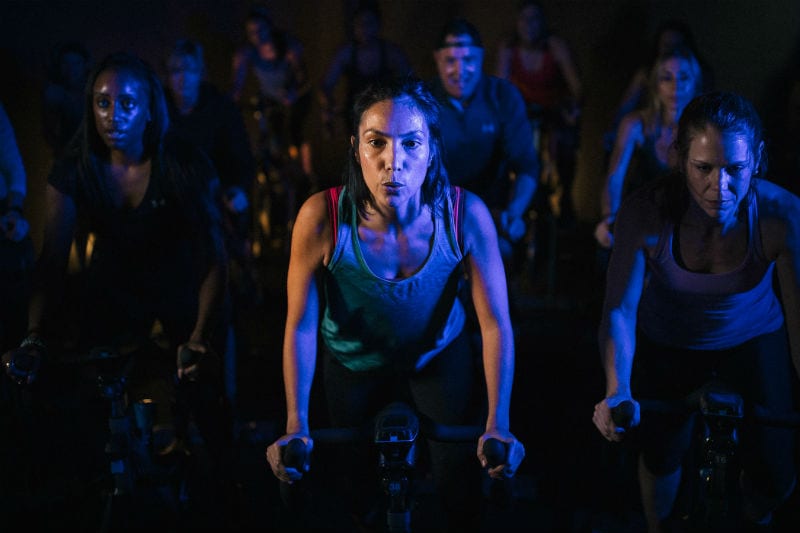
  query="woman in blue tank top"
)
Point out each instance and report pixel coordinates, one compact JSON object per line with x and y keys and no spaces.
{"x":690,"y":292}
{"x":373,"y":273}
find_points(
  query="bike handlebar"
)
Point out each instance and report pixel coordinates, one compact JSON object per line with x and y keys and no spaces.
{"x":622,"y":413}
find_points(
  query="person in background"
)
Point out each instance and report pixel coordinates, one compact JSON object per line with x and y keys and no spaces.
{"x":542,"y":67}
{"x":276,"y":60}
{"x":62,"y":100}
{"x":16,"y":246}
{"x":669,"y":34}
{"x":365,"y":58}
{"x":644,"y":146}
{"x":158,"y":253}
{"x":488,"y":141}
{"x":373,"y":283}
{"x":205,"y":117}
{"x":690,"y":299}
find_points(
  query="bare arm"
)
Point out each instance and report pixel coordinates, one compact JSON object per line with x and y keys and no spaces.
{"x":617,"y":333}
{"x":489,"y":293}
{"x":629,"y":136}
{"x":311,"y":249}
{"x":780,"y":231}
{"x":240,"y":66}
{"x":52,"y":262}
{"x":566,"y":65}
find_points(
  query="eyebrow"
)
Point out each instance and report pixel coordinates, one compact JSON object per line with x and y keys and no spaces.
{"x":384,"y":134}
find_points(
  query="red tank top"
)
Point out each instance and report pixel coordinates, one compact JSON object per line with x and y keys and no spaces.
{"x":541,"y":86}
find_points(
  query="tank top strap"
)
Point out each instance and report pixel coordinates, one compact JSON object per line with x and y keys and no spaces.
{"x":333,"y":211}
{"x":755,"y":244}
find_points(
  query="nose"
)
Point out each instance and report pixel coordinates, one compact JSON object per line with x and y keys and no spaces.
{"x":720,"y":180}
{"x":457,"y":67}
{"x":114,"y":113}
{"x":395,"y":160}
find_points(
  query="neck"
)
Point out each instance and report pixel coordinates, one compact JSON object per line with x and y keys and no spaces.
{"x":127,"y":158}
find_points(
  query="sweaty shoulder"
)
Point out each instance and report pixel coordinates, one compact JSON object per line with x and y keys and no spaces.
{"x":312,"y":226}
{"x":478,"y":225}
{"x":779,"y":217}
{"x":631,"y":128}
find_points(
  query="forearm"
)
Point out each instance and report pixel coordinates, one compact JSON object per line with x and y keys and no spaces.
{"x":617,"y":347}
{"x":524,"y":189}
{"x":48,"y":278}
{"x":498,"y":363}
{"x":211,"y":290}
{"x":299,"y":365}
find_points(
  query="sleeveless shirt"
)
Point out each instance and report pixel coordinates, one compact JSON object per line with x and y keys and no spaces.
{"x":701,"y":311}
{"x":541,"y":86}
{"x":645,"y":166}
{"x":374,"y":323}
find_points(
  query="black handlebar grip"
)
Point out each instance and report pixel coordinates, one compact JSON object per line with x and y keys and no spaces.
{"x":496,"y":452}
{"x":189,"y":357}
{"x":499,"y":492}
{"x":622,"y":414}
{"x":294,"y":455}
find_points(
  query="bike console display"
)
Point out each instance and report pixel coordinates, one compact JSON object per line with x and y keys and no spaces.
{"x":396,"y":431}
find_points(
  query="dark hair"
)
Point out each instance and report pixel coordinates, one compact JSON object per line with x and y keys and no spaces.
{"x":260,"y":13}
{"x":436,"y":183}
{"x":368,"y":6}
{"x":678,"y":26}
{"x":726,"y":111}
{"x":159,"y":118}
{"x":87,"y":144}
{"x":458,"y":26}
{"x":187,"y":48}
{"x":58,"y":53}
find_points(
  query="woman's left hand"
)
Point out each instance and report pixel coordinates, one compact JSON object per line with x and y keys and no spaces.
{"x":515,"y":453}
{"x":189,"y":367}
{"x":14,"y":226}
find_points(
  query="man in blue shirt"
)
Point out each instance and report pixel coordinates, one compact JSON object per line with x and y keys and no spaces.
{"x":488,"y":140}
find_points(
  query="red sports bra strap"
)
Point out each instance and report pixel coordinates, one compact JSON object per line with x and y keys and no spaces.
{"x":333,"y":211}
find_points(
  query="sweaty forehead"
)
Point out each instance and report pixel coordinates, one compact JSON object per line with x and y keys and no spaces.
{"x":121,"y":81}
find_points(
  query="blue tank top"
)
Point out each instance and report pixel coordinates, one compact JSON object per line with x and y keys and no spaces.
{"x":374,"y":323}
{"x":701,"y":311}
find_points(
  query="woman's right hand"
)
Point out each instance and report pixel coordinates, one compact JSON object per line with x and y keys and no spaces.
{"x":603,"y":235}
{"x":604,"y":421}
{"x":275,"y":453}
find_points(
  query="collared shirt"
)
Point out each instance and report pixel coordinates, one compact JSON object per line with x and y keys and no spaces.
{"x":486,"y":138}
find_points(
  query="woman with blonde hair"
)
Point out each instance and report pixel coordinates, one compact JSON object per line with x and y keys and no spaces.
{"x":643,"y":150}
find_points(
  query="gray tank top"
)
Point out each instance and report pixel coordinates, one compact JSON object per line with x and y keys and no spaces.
{"x":370,"y":322}
{"x":709,"y":311}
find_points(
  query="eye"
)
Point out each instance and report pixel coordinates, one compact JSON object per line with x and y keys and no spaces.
{"x":376,"y":143}
{"x":412,"y":144}
{"x":735,"y":169}
{"x":102,"y":102}
{"x":128,"y":103}
{"x":705,"y":169}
